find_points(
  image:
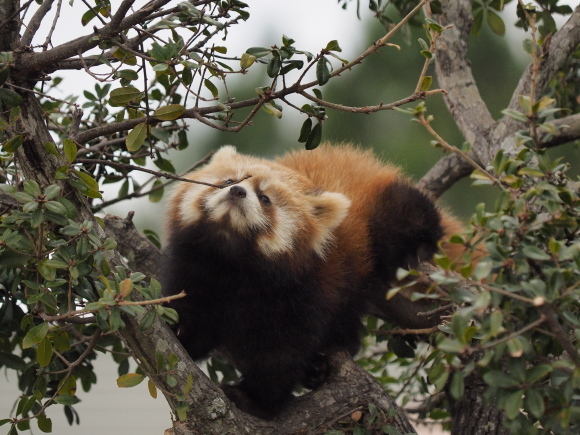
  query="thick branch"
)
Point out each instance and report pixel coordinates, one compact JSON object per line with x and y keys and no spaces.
{"x":141,"y":254}
{"x":556,"y":52}
{"x":454,"y":74}
{"x":35,"y":22}
{"x":568,"y":131}
{"x":444,"y":174}
{"x":41,"y":61}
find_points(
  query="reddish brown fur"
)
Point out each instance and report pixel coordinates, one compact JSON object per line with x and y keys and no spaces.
{"x":282,"y":284}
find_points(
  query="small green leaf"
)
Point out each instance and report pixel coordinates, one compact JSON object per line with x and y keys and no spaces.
{"x":169,"y":113}
{"x":314,"y":137}
{"x":46,"y":270}
{"x":513,"y":404}
{"x":156,"y":192}
{"x":426,"y":83}
{"x":147,"y":320}
{"x":514,"y":114}
{"x":124,"y":96}
{"x":212,"y":88}
{"x":259,"y":51}
{"x":322,"y":71}
{"x":13,"y":143}
{"x":271,"y":109}
{"x":273,"y":67}
{"x":35,"y":335}
{"x":495,"y":22}
{"x":333,"y":46}
{"x":497,"y":378}
{"x":136,"y":137}
{"x":66,"y":399}
{"x":50,"y":148}
{"x":70,"y":150}
{"x":457,"y":385}
{"x":152,"y":389}
{"x":9,"y":97}
{"x":305,"y":130}
{"x":534,"y":403}
{"x":44,"y":423}
{"x":44,"y":352}
{"x":535,"y":253}
{"x":247,"y":60}
{"x":130,"y":380}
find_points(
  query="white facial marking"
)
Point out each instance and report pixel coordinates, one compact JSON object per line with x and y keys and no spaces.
{"x":282,"y":238}
{"x":244,"y":213}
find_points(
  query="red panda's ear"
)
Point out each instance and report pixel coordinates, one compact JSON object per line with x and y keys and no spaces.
{"x":330,"y":209}
{"x":224,"y":154}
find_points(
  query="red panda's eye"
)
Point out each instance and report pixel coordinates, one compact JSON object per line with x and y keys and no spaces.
{"x":264,"y":199}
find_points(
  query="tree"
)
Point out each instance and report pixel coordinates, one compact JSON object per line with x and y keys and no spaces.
{"x":502,"y":351}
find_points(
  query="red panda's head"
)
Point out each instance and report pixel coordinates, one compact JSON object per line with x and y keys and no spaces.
{"x":278,"y":207}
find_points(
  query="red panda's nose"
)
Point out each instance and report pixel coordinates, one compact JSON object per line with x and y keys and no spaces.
{"x":238,"y":191}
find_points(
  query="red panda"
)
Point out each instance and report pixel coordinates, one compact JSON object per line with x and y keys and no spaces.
{"x":278,"y":268}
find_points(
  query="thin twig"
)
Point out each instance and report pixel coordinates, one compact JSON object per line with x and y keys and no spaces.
{"x":129,"y":167}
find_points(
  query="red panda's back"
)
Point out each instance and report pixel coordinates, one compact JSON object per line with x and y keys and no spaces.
{"x":358,"y":175}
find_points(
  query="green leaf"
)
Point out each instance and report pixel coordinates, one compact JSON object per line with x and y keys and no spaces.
{"x":495,"y":23}
{"x":136,"y":137}
{"x":451,"y":345}
{"x":247,"y":60}
{"x":537,"y":373}
{"x":305,"y":130}
{"x":147,"y":320}
{"x":534,"y":403}
{"x":124,"y":96}
{"x":273,"y":67}
{"x":88,"y":181}
{"x":156,"y":191}
{"x":497,"y":378}
{"x":314,"y":137}
{"x":9,"y":97}
{"x":333,"y":46}
{"x":212,"y":88}
{"x":44,"y":423}
{"x":271,"y":109}
{"x":70,"y":150}
{"x":259,"y":52}
{"x":13,"y":143}
{"x":35,"y":335}
{"x":50,"y":148}
{"x":46,"y":270}
{"x":169,"y":113}
{"x":66,"y":399}
{"x":426,"y":83}
{"x":88,"y":16}
{"x":44,"y":352}
{"x":482,"y":270}
{"x":322,"y":71}
{"x":477,"y":23}
{"x":55,"y":207}
{"x":535,"y":253}
{"x":152,"y":389}
{"x":514,"y":114}
{"x":457,"y":385}
{"x":130,"y":380}
{"x":515,"y":347}
{"x":513,"y":404}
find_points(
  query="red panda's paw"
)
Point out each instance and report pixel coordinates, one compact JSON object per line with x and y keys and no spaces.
{"x":317,"y":372}
{"x":244,"y":403}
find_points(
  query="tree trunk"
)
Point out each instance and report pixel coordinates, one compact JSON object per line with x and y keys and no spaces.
{"x":471,"y":416}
